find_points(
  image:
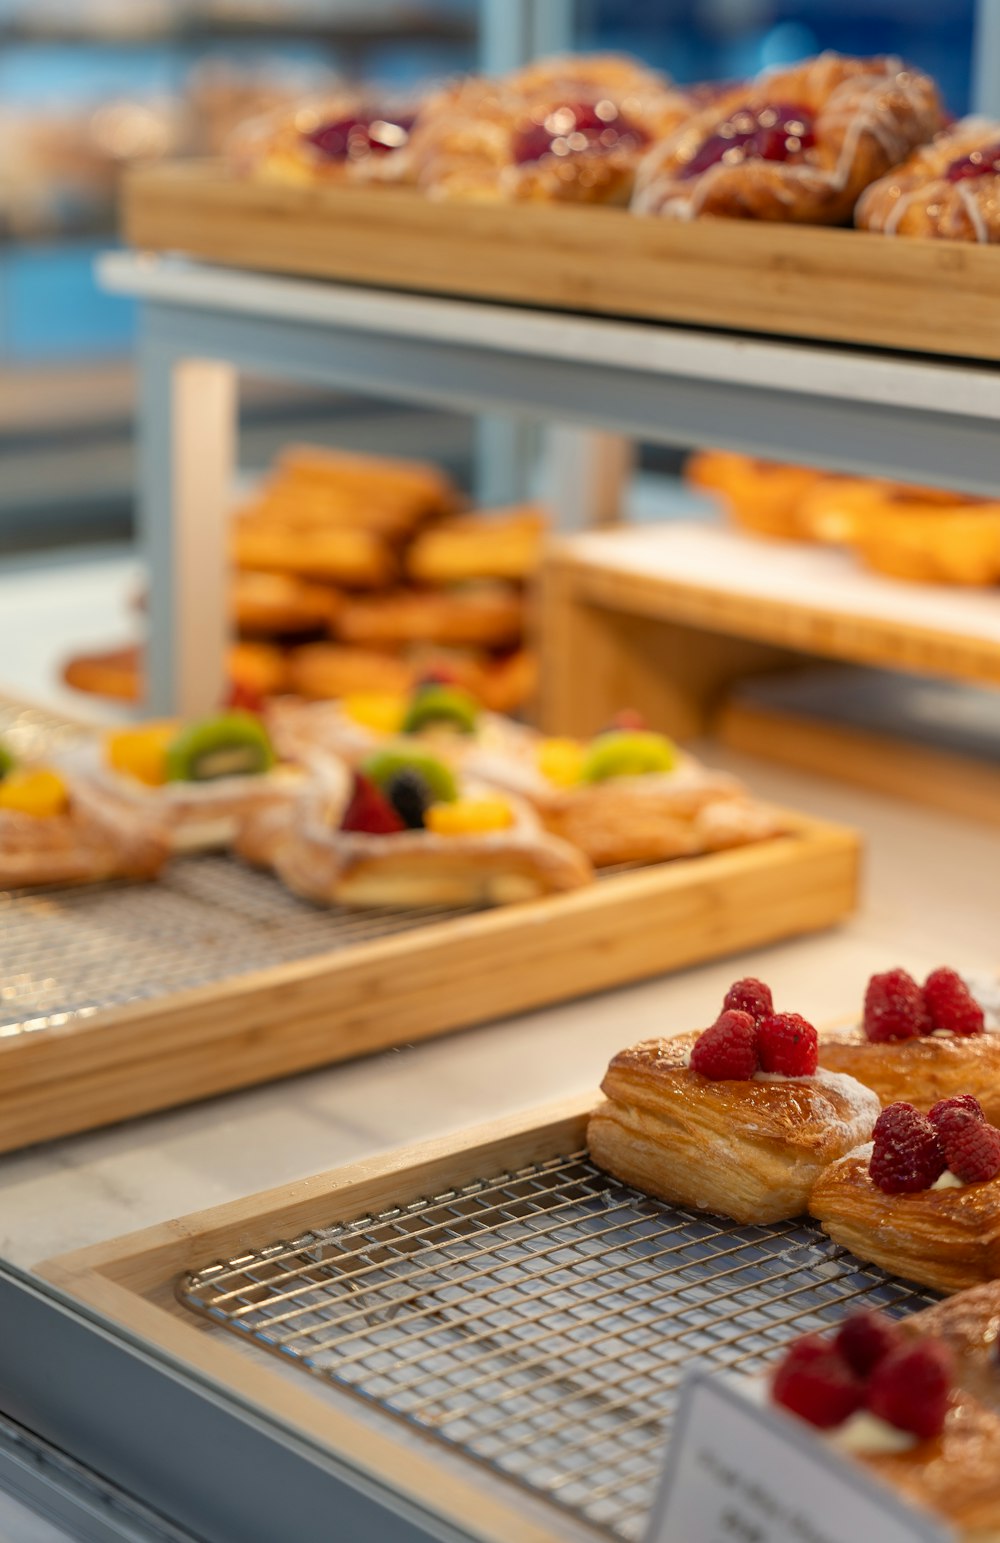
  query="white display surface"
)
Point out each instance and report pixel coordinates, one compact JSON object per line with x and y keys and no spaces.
{"x":796,"y":573}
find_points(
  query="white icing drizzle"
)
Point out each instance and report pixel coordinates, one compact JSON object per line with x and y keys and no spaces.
{"x":972,"y":209}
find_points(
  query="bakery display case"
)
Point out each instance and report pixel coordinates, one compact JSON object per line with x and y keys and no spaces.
{"x":403,"y":1119}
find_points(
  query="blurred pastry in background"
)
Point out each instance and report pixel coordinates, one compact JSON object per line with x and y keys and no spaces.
{"x":256,"y":668}
{"x":505,"y":544}
{"x":322,"y":140}
{"x":761,"y":496}
{"x":948,"y":189}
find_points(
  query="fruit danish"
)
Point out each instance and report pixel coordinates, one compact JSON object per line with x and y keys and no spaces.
{"x":762,"y":496}
{"x":628,"y":795}
{"x":797,"y":145}
{"x":738,"y":1120}
{"x":568,"y":130}
{"x":923,"y":1200}
{"x":55,"y":829}
{"x":198,"y":780}
{"x":949,"y":188}
{"x":322,"y":671}
{"x":323,"y":141}
{"x":404,"y":831}
{"x":968,"y":1324}
{"x":890,"y":1396}
{"x":921,"y":1044}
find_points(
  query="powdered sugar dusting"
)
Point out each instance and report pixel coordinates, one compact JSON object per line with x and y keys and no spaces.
{"x":862,"y":1105}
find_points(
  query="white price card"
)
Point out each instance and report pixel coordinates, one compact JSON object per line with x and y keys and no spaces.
{"x":741,"y":1472}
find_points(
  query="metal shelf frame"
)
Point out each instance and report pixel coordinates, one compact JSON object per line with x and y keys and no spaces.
{"x":589,"y":379}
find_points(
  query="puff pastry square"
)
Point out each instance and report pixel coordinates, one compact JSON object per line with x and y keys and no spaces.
{"x":920,"y":1071}
{"x":749,"y":1150}
{"x":948,"y":1239}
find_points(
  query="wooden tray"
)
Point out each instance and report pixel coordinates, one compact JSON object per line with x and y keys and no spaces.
{"x":838,"y":285}
{"x":441,"y":975}
{"x":529,"y":1317}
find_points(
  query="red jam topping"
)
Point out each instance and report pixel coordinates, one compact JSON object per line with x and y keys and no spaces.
{"x":353,"y":139}
{"x":778,"y":132}
{"x":576,"y":126}
{"x":979,"y":163}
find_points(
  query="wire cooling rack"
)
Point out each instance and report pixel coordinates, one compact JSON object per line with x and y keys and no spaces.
{"x":541,"y":1321}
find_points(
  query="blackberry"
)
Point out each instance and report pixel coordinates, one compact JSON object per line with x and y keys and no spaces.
{"x":410,"y":796}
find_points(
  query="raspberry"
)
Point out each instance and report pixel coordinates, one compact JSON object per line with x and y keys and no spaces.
{"x":817,"y":1384}
{"x":910,"y":1388}
{"x":951,"y":1005}
{"x":750,"y":996}
{"x":728,"y":1050}
{"x":894,"y":1007}
{"x":864,"y":1340}
{"x":971,"y":1147}
{"x":943,"y":1113}
{"x":788,"y":1045}
{"x":369,"y":812}
{"x":907,"y":1154}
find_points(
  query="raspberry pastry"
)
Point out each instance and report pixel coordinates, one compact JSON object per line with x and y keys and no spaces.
{"x":969,"y":1325}
{"x":565,"y":131}
{"x":57,"y":830}
{"x":738,"y":1120}
{"x":797,"y":145}
{"x":198,"y":781}
{"x":321,"y":142}
{"x":628,"y":796}
{"x":923,"y":1201}
{"x":922,"y":1044}
{"x":405,"y":831}
{"x":889,"y":1396}
{"x":949,"y":188}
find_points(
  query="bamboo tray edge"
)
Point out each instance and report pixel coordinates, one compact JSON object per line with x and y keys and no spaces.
{"x":935,"y":297}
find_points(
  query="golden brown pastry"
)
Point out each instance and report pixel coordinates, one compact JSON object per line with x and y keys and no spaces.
{"x":355,"y":558}
{"x":278,"y":605}
{"x":56,"y":829}
{"x":324,"y":671}
{"x":968,"y":1323}
{"x":256,"y":668}
{"x":343,"y":843}
{"x":765,"y":497}
{"x":627,"y":796}
{"x":751,"y":1149}
{"x":797,"y":145}
{"x":506,"y":544}
{"x":949,"y":188}
{"x":565,"y":130}
{"x":479,"y":616}
{"x":943,"y":1235}
{"x":920,"y":1044}
{"x":325,"y":141}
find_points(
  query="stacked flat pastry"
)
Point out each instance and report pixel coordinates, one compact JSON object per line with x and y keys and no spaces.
{"x":925,"y":535}
{"x":358,"y":573}
{"x":380,"y":799}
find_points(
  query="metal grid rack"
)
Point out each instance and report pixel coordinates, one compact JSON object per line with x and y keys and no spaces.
{"x":541,"y":1321}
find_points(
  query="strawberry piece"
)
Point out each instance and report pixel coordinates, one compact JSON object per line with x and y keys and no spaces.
{"x":911,"y":1388}
{"x":951,"y":1005}
{"x":971,"y":1147}
{"x":787,"y":1045}
{"x":750,"y":996}
{"x":907,"y":1155}
{"x":894,"y":1008}
{"x":817,"y":1384}
{"x":944,"y":1111}
{"x":864,"y":1340}
{"x":239,"y":697}
{"x":728,"y":1050}
{"x":369,"y":812}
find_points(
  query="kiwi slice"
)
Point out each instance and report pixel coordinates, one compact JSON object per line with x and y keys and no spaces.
{"x":442,"y":704}
{"x":7,"y":761}
{"x":383,"y":765}
{"x":628,"y":754}
{"x":231,"y":745}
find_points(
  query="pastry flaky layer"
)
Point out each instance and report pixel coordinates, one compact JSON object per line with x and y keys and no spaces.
{"x":948,"y":1239}
{"x":95,"y":839}
{"x":924,"y":197}
{"x":920,"y":1071}
{"x":748,"y":1150}
{"x":955,"y":1475}
{"x":316,"y":860}
{"x":969,"y":1324}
